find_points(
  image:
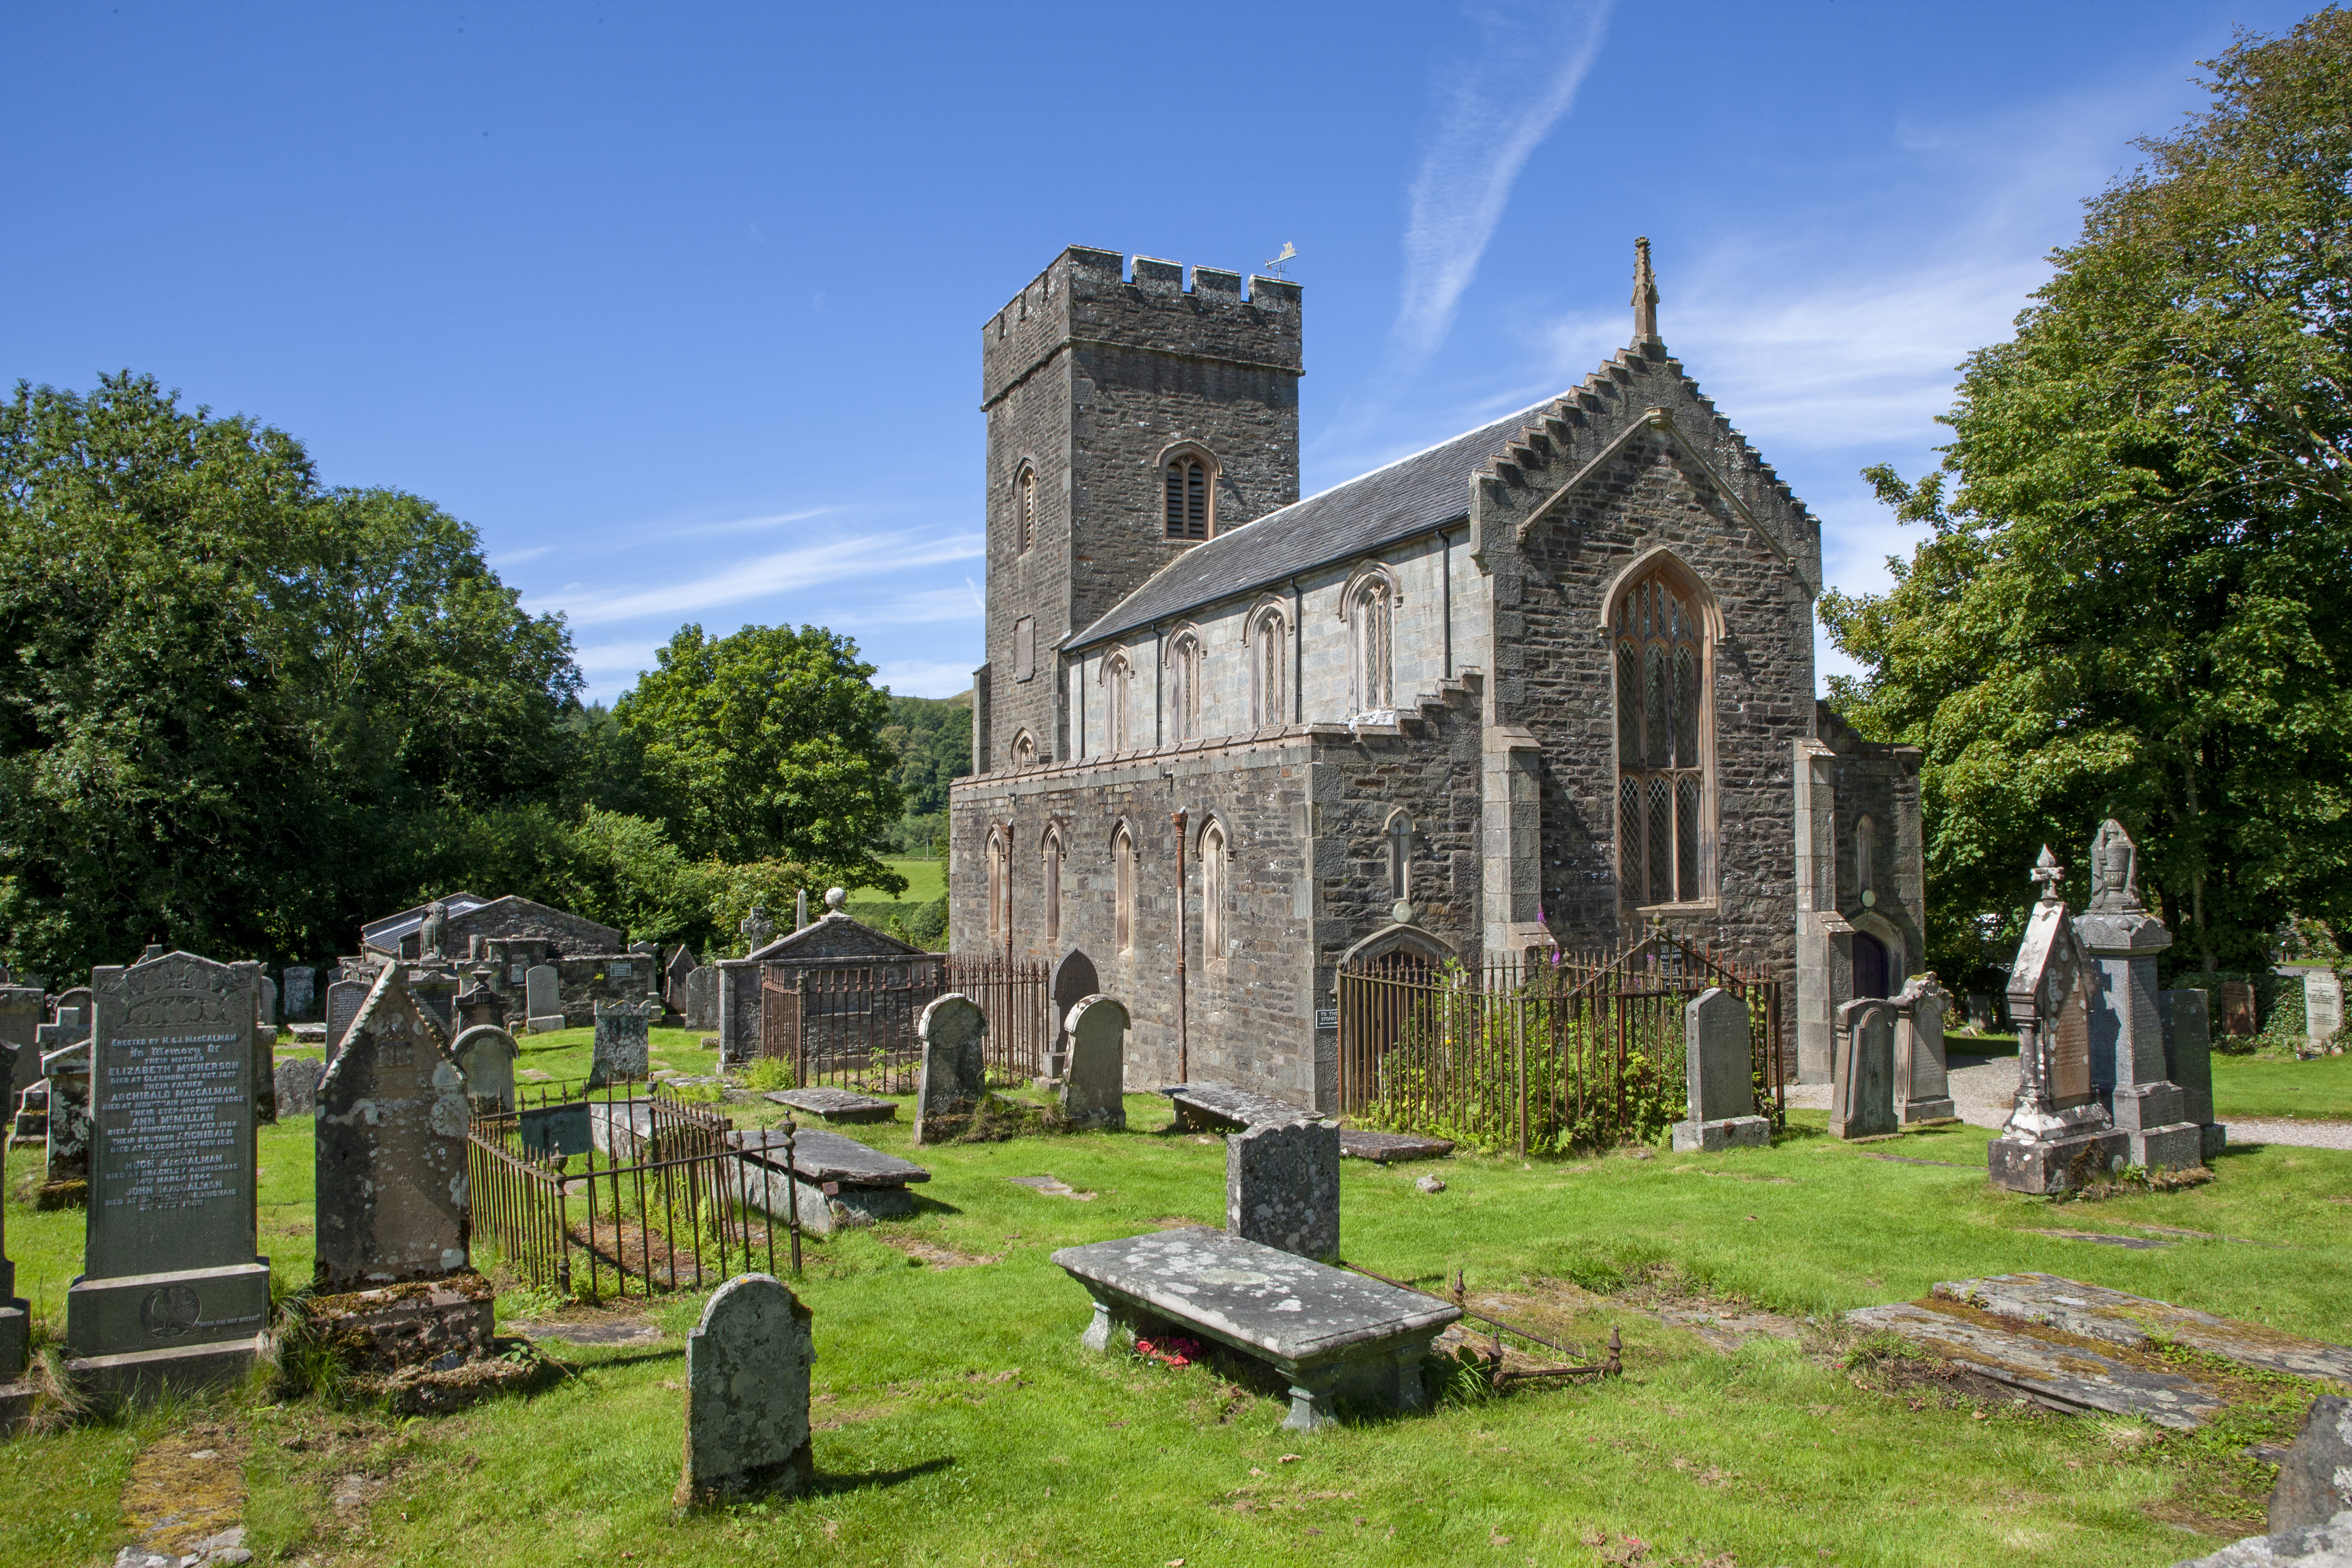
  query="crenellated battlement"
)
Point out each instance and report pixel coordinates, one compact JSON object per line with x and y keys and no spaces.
{"x":1090,"y":298}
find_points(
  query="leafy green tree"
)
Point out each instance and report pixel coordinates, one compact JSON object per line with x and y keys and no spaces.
{"x":2136,"y":599}
{"x":768,"y":745}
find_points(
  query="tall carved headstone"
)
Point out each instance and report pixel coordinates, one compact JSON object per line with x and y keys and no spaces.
{"x":171,"y":1287}
{"x":542,"y":999}
{"x":757,"y":928}
{"x":2323,"y":1006}
{"x":299,"y":992}
{"x":1282,"y":1186}
{"x":1720,"y":1079}
{"x":2127,"y":1068}
{"x":1862,"y":1092}
{"x":682,"y":966}
{"x":954,"y":1081}
{"x":624,"y":1052}
{"x":344,"y":999}
{"x":1923,"y":1086}
{"x":485,"y":1055}
{"x":2059,"y":1136}
{"x":2188,"y":1062}
{"x":747,"y":1393}
{"x":1094,"y":1085}
{"x":391,"y":1168}
{"x":266,"y":1014}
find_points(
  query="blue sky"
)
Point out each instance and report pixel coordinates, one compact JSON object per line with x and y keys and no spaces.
{"x":680,"y":305}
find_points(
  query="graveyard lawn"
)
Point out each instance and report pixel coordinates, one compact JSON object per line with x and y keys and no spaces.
{"x":2276,"y":1086}
{"x":957,"y":1421}
{"x":562,"y":1057}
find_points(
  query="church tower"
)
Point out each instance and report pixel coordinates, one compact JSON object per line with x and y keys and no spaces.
{"x":1128,"y":418}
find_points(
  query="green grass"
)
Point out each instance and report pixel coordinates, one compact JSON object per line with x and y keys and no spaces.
{"x":958,"y":1422}
{"x":2317,"y":1090}
{"x":926,"y":880}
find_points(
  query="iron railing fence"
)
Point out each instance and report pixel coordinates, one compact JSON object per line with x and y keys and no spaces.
{"x":857,"y":1027}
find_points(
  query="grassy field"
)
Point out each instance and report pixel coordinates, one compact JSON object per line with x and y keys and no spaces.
{"x":2318,"y":1090}
{"x":958,"y":1422}
{"x":926,"y":880}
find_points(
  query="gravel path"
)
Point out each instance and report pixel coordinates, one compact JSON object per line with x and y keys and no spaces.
{"x":1984,"y":1089}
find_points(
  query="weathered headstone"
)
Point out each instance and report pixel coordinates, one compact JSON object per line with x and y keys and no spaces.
{"x":298,"y":1085}
{"x":682,"y":966}
{"x":542,"y":999}
{"x":77,"y":999}
{"x":2059,"y":1136}
{"x":2188,"y":1062}
{"x":954,"y":1081}
{"x":1720,"y":1077}
{"x":623,"y":1042}
{"x":435,"y":990}
{"x":1861,"y":1093}
{"x":1282,"y":1186}
{"x":21,"y":1007}
{"x":391,"y":1168}
{"x":757,"y":928}
{"x":701,"y":1007}
{"x":171,"y":1287}
{"x":15,"y":1326}
{"x":2126,"y":1028}
{"x":300,"y":993}
{"x":1922,"y":1088}
{"x":2238,"y":1009}
{"x":485,"y":1055}
{"x":2323,"y":1006}
{"x":1073,"y":981}
{"x":1981,"y":1020}
{"x":344,"y":999}
{"x":1095,"y":1083}
{"x":747,"y":1393}
{"x":65,"y":1075}
{"x":266,"y":1014}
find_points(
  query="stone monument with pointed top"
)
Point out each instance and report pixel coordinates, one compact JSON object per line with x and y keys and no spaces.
{"x":2127,"y":1068}
{"x":2059,"y":1136}
{"x":390,"y":1176}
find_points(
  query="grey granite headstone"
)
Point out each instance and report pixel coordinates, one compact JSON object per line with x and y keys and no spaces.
{"x":542,"y":998}
{"x":485,"y":1055}
{"x":2188,"y":1061}
{"x":65,"y":1075}
{"x":1923,"y":1085}
{"x":682,"y":964}
{"x":267,"y":1014}
{"x":1073,"y":981}
{"x":747,"y":1393}
{"x":20,"y":1024}
{"x":1282,"y":1186}
{"x":954,"y":1081}
{"x":2126,"y":1029}
{"x":1719,"y":1077}
{"x":1861,"y":1093}
{"x":1093,"y":1085}
{"x":344,"y":999}
{"x":300,"y":993}
{"x":1980,"y":1014}
{"x":623,"y":1043}
{"x":390,"y":1166}
{"x":2323,"y":1006}
{"x":171,"y":1287}
{"x":298,"y":1085}
{"x":701,"y":1007}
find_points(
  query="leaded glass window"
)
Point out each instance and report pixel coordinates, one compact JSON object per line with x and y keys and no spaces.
{"x":1663,"y":712}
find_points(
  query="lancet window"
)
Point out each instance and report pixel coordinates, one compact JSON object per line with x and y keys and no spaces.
{"x":1663,"y":703}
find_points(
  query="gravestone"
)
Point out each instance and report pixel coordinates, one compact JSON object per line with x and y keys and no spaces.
{"x":757,"y":928}
{"x":298,"y":1085}
{"x":682,"y":966}
{"x":390,"y":1166}
{"x":21,"y":1007}
{"x":300,"y":993}
{"x":171,"y":1287}
{"x":2323,"y":1006}
{"x":2188,"y":1062}
{"x":1922,"y":1088}
{"x":1282,"y":1186}
{"x":16,"y":1330}
{"x":65,"y":1137}
{"x":1073,"y":981}
{"x":747,"y":1395}
{"x":954,"y":1081}
{"x":1980,"y":1014}
{"x":2060,"y":1135}
{"x":77,"y":998}
{"x":2126,"y":1053}
{"x":2238,"y":1009}
{"x":542,"y":999}
{"x":1861,"y":1093}
{"x":1095,"y":1082}
{"x":435,"y":990}
{"x":1720,"y":1077}
{"x":701,"y":1008}
{"x":623,"y":1042}
{"x":485,"y":1055}
{"x":267,"y":1015}
{"x":344,"y":999}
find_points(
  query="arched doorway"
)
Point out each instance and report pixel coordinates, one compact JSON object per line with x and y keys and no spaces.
{"x":1869,"y":966}
{"x":1073,"y":981}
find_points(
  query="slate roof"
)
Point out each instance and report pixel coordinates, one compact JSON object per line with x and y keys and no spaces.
{"x":1408,"y":497}
{"x":389,"y":931}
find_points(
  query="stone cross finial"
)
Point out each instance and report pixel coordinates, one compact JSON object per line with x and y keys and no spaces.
{"x":757,"y":928}
{"x":1645,"y":295}
{"x":2049,"y":873}
{"x":2115,"y":870}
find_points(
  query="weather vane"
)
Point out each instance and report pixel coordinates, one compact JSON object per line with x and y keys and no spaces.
{"x":1274,"y":267}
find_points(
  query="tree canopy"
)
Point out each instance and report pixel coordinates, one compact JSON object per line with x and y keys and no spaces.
{"x":2136,"y":599}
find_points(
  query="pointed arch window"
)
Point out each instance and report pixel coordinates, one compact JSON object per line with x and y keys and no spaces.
{"x":1190,"y":491}
{"x":1665,"y":703}
{"x":1122,"y":889}
{"x":1400,"y":858}
{"x":1214,"y":894}
{"x":1267,"y":646}
{"x":1184,"y":688}
{"x":1025,"y":506}
{"x":1865,"y":852}
{"x":1371,"y":673}
{"x":999,"y":892}
{"x":1117,"y":684}
{"x":1024,"y":751}
{"x":1050,"y":885}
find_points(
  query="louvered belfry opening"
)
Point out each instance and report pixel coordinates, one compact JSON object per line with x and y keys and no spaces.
{"x":1025,"y":506}
{"x":1661,"y":710}
{"x":1188,"y":498}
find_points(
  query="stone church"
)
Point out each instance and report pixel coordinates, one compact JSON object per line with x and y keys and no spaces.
{"x":1536,"y":687}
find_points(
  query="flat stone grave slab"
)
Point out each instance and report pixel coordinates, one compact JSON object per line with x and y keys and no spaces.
{"x":1225,"y":1108}
{"x":2063,"y":1376}
{"x":822,"y":1156}
{"x":1051,"y":1187}
{"x":1387,"y":1148}
{"x":1336,"y":1335}
{"x":2130,"y":1243}
{"x":838,"y":1181}
{"x":837,"y":1105}
{"x":2096,"y":1312}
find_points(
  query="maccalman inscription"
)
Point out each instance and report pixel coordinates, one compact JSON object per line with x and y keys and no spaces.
{"x":171,"y":1290}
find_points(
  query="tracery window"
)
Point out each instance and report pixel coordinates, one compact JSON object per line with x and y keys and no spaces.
{"x":1213,"y":894}
{"x":1025,"y":506}
{"x":1024,"y":751}
{"x":1370,"y":659}
{"x":1266,"y":649}
{"x":1184,"y":688}
{"x":1050,"y":885}
{"x":1189,"y":490}
{"x":1122,"y":889}
{"x":1117,"y":683}
{"x":1664,"y":699}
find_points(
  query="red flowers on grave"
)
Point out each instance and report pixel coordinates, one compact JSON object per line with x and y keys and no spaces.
{"x":1175,"y":1349}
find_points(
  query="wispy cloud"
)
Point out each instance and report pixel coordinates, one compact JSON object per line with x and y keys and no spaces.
{"x":878,"y":555}
{"x":928,"y":607}
{"x":743,"y":524}
{"x":517,"y":557}
{"x":1491,"y":113}
{"x":922,"y":678}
